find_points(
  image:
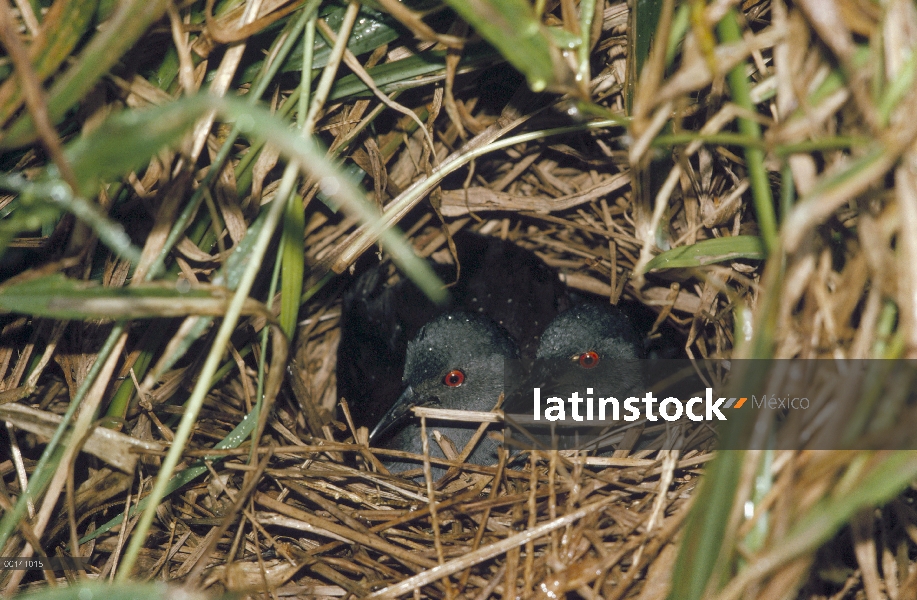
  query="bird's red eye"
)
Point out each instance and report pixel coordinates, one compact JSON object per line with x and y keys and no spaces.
{"x":587,"y":360}
{"x":454,"y":378}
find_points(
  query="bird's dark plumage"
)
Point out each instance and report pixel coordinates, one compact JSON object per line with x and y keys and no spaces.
{"x":605,"y":329}
{"x":455,"y":361}
{"x":590,"y":346}
{"x":397,"y":348}
{"x":591,"y":349}
{"x":509,"y":284}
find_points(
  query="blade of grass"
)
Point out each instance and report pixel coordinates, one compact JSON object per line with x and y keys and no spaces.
{"x":41,"y":203}
{"x":898,"y":88}
{"x":372,"y":29}
{"x":234,"y":439}
{"x":709,"y":252}
{"x":63,"y":26}
{"x":706,"y":546}
{"x":398,"y":207}
{"x":836,"y":188}
{"x":643,"y":22}
{"x":117,"y":408}
{"x":252,"y":119}
{"x":50,"y":457}
{"x":192,"y":329}
{"x":303,"y":153}
{"x":90,"y":590}
{"x":887,"y":476}
{"x":702,"y":554}
{"x":293,"y":240}
{"x":196,"y":401}
{"x":586,"y":15}
{"x":258,"y":89}
{"x":131,"y":20}
{"x":512,"y":27}
{"x":127,"y":142}
{"x":403,"y":74}
{"x":57,"y":297}
{"x":680,"y":25}
{"x":53,"y":452}
{"x":232,"y":270}
{"x":729,"y":31}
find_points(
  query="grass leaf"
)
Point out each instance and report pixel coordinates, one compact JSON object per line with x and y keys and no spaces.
{"x":709,"y":252}
{"x":512,"y":27}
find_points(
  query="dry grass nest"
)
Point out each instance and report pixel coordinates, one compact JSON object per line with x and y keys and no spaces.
{"x":311,"y":512}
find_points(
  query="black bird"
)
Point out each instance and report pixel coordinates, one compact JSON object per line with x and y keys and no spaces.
{"x":588,"y":333}
{"x":508,"y":284}
{"x":456,"y":361}
{"x":591,"y":349}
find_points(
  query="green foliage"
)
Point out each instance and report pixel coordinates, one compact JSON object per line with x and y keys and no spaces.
{"x":708,"y":252}
{"x":129,"y":22}
{"x":514,"y":29}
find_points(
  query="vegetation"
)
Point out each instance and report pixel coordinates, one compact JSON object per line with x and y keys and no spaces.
{"x":184,"y":187}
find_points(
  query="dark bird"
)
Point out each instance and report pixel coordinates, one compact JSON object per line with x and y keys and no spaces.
{"x":589,"y":333}
{"x":508,"y":284}
{"x":456,"y":361}
{"x":591,"y":349}
{"x":521,"y":311}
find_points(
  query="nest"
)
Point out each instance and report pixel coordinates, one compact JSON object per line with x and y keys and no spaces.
{"x":795,"y":208}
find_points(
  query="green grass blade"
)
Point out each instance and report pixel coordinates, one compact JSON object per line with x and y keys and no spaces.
{"x":125,"y":591}
{"x":62,"y":28}
{"x":57,"y":297}
{"x":888,"y":476}
{"x":125,"y":140}
{"x":128,"y":140}
{"x":54,"y":450}
{"x":587,"y":15}
{"x":644,"y":19}
{"x":40,"y":204}
{"x":709,"y":252}
{"x":153,"y":341}
{"x":705,"y":539}
{"x":119,"y":35}
{"x":293,"y":250}
{"x":512,"y":27}
{"x":336,"y":185}
{"x":235,"y":438}
{"x":230,"y":276}
{"x":706,"y":525}
{"x":372,"y":29}
{"x":754,"y":158}
{"x":397,"y":75}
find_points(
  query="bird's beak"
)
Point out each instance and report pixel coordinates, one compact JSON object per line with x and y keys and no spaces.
{"x":399,"y":411}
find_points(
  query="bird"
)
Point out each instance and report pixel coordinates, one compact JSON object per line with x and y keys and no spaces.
{"x":386,"y":326}
{"x":591,"y":349}
{"x":510,"y":285}
{"x":590,"y":332}
{"x":455,"y":361}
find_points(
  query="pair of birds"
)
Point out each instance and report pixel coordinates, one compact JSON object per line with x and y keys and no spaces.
{"x":398,"y":350}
